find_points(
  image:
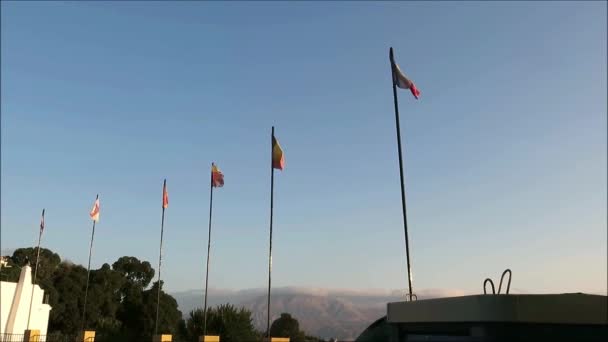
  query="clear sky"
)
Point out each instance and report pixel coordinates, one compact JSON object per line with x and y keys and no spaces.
{"x":505,"y":152}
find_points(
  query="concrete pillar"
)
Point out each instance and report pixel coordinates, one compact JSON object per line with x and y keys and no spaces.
{"x":86,"y":336}
{"x":162,"y":338}
{"x":31,"y":336}
{"x":208,"y":338}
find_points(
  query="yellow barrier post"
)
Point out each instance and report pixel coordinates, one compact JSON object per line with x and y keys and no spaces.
{"x":31,"y":335}
{"x":86,"y":336}
{"x":276,"y":339}
{"x":209,"y":338}
{"x":162,"y":338}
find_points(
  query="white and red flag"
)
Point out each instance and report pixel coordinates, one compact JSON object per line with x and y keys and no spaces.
{"x":401,"y":81}
{"x":95,"y":211}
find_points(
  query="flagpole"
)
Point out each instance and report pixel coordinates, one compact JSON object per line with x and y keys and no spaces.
{"x":35,"y":270}
{"x":86,"y":289}
{"x":270,"y":245}
{"x":160,"y":256}
{"x":407,"y":246}
{"x":208,"y":250}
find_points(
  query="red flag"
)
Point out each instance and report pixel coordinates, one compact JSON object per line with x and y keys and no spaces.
{"x":165,"y":195}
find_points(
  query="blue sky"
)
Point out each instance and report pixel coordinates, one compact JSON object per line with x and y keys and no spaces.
{"x":505,"y":152}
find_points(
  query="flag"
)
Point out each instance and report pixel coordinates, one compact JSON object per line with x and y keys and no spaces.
{"x":217,"y":177}
{"x":401,"y":81}
{"x":42,"y":222}
{"x":278,"y":160}
{"x":165,"y":195}
{"x":95,"y":211}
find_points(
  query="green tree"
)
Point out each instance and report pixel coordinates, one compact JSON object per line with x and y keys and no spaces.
{"x":137,"y":276}
{"x":230,"y":323}
{"x":119,"y":307}
{"x":287,"y":326}
{"x":140,"y":316}
{"x":136,"y":273}
{"x":49,"y":261}
{"x":66,"y":300}
{"x":103,"y":300}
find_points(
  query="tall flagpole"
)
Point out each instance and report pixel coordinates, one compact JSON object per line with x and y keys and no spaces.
{"x":407,"y":246}
{"x":160,"y":257}
{"x":86,"y":289}
{"x":270,"y":246}
{"x":35,"y":270}
{"x":208,"y":250}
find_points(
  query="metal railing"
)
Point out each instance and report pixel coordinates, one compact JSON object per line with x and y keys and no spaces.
{"x":38,"y":338}
{"x":502,"y":277}
{"x":11,"y":337}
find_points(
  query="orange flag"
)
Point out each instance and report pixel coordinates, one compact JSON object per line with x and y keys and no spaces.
{"x":217,"y":177}
{"x":278,"y":160}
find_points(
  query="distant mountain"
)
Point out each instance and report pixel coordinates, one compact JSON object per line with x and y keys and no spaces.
{"x":343,"y":314}
{"x":321,"y":316}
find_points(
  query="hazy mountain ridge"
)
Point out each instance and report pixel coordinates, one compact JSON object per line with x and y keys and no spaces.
{"x":341,"y":313}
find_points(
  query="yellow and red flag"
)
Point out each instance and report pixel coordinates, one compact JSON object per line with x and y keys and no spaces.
{"x":217,"y":177}
{"x":165,"y":195}
{"x":278,"y":160}
{"x":95,"y":211}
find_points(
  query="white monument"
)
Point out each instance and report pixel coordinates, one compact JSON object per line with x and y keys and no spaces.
{"x":15,"y":305}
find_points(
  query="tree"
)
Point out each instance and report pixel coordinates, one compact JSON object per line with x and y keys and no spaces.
{"x":230,"y":323}
{"x":69,"y":281}
{"x":287,"y":326}
{"x":103,"y":300}
{"x":136,"y":277}
{"x":137,"y":273}
{"x":46,"y":266}
{"x":119,"y":307}
{"x":140,"y":316}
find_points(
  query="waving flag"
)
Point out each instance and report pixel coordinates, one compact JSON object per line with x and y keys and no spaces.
{"x":402,"y":81}
{"x":165,"y":195}
{"x":278,"y":160}
{"x":217,"y":177}
{"x":42,"y":222}
{"x":95,"y":211}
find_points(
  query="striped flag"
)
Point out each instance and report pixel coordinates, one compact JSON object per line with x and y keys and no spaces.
{"x":42,"y":222}
{"x":278,"y":160}
{"x":217,"y":177}
{"x":401,"y":81}
{"x":95,"y":211}
{"x":165,"y":195}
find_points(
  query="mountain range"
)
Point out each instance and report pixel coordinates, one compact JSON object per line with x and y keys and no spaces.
{"x":326,"y":313}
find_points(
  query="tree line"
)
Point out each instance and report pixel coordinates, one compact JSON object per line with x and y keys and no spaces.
{"x":121,"y":304}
